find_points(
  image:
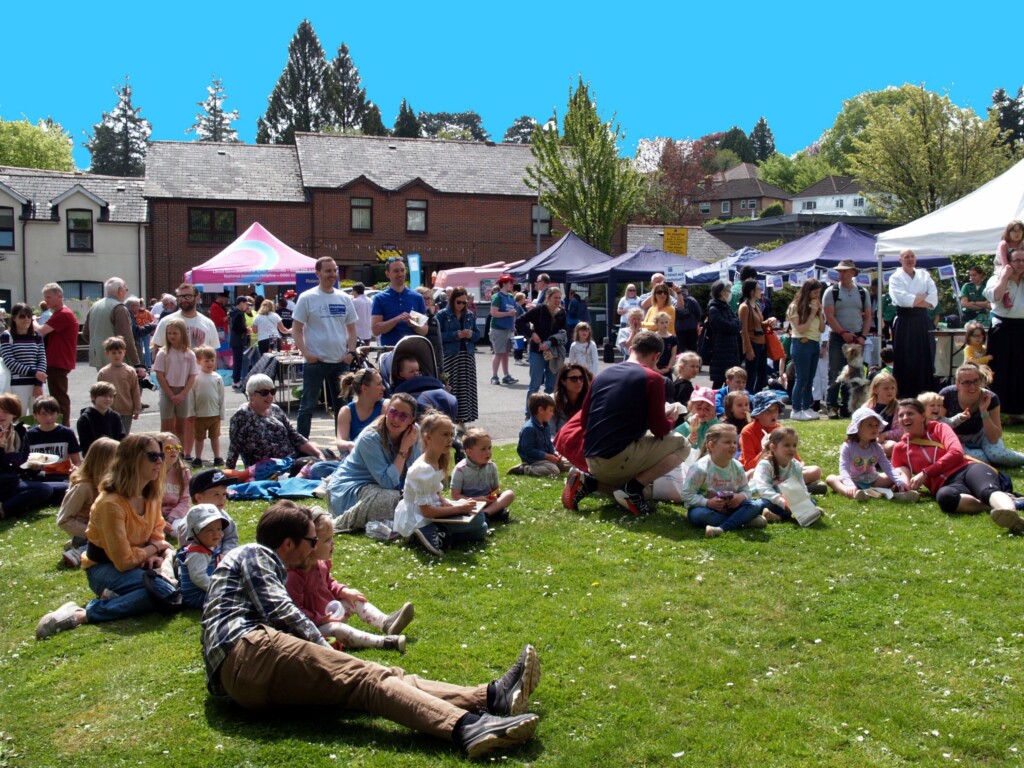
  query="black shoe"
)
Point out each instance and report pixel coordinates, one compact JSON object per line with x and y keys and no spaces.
{"x":197,"y":463}
{"x":489,"y":732}
{"x":513,"y":690}
{"x":218,"y":462}
{"x":633,"y":501}
{"x":500,"y":516}
{"x":329,"y":454}
{"x":431,"y":539}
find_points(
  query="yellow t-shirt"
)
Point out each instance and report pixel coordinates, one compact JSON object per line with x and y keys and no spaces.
{"x":813,"y":331}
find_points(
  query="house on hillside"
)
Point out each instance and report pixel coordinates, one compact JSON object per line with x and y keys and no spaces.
{"x":741,"y":196}
{"x":833,"y":195}
{"x":76,"y":229}
{"x":357,"y":199}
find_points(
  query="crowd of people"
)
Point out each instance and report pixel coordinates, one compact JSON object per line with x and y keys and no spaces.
{"x":640,"y":431}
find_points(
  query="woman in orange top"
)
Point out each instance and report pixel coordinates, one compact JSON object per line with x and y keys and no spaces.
{"x":126,"y":542}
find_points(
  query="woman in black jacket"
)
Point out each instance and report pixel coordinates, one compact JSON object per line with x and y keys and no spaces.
{"x":722,"y":340}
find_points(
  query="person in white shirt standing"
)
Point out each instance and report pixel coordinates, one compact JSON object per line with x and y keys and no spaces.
{"x":364,"y":310}
{"x":324,"y":329}
{"x":913,"y":293}
{"x":1005,"y":289}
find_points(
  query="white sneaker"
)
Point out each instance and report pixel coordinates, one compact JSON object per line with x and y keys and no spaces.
{"x":798,"y":416}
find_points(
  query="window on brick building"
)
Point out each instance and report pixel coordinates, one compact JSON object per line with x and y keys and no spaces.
{"x":79,"y":231}
{"x":362,"y":214}
{"x":541,"y":218}
{"x":705,"y":208}
{"x":6,"y":229}
{"x":726,"y":206}
{"x":415,"y":215}
{"x":211,"y":225}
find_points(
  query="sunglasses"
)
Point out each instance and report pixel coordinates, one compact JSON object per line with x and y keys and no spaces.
{"x":397,"y":415}
{"x":577,"y":377}
{"x":169,"y":447}
{"x":262,"y":392}
{"x":311,"y":540}
{"x":461,"y":303}
{"x":154,"y":456}
{"x":971,"y":383}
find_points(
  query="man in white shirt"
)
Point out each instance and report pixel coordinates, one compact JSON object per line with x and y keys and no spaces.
{"x":1005,"y":289}
{"x":913,"y":293}
{"x":201,"y":330}
{"x":324,"y":330}
{"x":364,"y":310}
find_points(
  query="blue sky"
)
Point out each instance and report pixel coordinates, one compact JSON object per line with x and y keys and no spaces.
{"x":664,"y":69}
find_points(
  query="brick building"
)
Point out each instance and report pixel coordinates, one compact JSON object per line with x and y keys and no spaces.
{"x":355,"y":198}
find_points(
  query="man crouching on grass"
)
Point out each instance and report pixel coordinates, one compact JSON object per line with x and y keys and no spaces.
{"x":262,"y":651}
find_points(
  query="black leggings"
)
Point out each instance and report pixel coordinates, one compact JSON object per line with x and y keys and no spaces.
{"x":978,"y":480}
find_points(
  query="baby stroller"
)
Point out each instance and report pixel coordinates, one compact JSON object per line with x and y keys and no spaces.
{"x":427,"y":388}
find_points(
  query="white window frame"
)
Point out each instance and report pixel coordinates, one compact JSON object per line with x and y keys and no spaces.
{"x":726,"y":206}
{"x":705,"y":208}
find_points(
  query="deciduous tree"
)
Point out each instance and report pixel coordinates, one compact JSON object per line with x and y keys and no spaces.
{"x":581,"y":178}
{"x":521,"y":131}
{"x":351,"y":107}
{"x":118,"y":141}
{"x":762,"y":141}
{"x":306,"y":95}
{"x":467,"y":126}
{"x":925,"y":153}
{"x":736,"y":140}
{"x":45,"y":145}
{"x":213,"y":123}
{"x":794,"y":174}
{"x":836,"y":144}
{"x":406,"y":124}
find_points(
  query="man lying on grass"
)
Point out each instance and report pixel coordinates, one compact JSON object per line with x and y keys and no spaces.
{"x":262,"y":651}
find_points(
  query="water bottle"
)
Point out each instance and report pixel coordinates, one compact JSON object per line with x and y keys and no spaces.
{"x":379,"y":530}
{"x":334,"y":609}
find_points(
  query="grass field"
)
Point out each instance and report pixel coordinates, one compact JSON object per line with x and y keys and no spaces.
{"x":885,"y":635}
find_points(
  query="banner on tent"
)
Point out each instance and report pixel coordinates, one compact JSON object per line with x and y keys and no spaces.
{"x":775,"y":282}
{"x":863,"y":279}
{"x":947,"y":272}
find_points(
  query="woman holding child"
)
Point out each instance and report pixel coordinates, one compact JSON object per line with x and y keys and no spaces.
{"x":981,"y":433}
{"x":930,"y":455}
{"x":367,"y":486}
{"x":126,"y":544}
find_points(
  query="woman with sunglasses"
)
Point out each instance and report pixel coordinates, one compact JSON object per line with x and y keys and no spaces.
{"x":982,"y":434}
{"x":259,"y":429}
{"x":126,"y":546}
{"x":571,"y":387}
{"x":459,"y":335}
{"x":23,"y":353}
{"x":661,"y":301}
{"x":368,"y":484}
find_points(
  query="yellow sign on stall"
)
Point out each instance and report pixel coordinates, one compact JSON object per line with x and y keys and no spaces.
{"x":676,"y":240}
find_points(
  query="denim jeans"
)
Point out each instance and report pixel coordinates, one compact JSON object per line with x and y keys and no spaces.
{"x":701,"y":517}
{"x":237,"y":364}
{"x":757,"y":369}
{"x":313,"y":377}
{"x":805,"y":363}
{"x":133,"y":598}
{"x":27,"y":495}
{"x":541,"y":376}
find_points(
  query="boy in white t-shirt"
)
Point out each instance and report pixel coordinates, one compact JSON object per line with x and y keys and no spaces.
{"x":208,"y":403}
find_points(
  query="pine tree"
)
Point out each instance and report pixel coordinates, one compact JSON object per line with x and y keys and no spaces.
{"x":118,"y":141}
{"x":213,"y":123}
{"x":351,"y":97}
{"x":736,"y":140}
{"x":762,"y":141}
{"x":305,"y":97}
{"x":372,"y":124}
{"x":406,"y":124}
{"x":1009,"y":113}
{"x":521,"y":131}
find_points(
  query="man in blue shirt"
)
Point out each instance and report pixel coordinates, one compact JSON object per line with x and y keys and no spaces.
{"x":391,"y":307}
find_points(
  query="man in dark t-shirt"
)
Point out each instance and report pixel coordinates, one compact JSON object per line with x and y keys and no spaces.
{"x":628,"y":439}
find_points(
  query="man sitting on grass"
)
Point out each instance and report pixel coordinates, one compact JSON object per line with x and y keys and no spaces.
{"x":262,"y":651}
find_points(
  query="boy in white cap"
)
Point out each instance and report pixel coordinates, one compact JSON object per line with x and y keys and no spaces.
{"x":195,"y":561}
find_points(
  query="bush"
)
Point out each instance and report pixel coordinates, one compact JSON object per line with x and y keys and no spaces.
{"x":775,"y":209}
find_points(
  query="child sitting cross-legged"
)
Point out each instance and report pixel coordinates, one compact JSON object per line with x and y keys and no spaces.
{"x":538,"y":454}
{"x":765,"y":407}
{"x":860,"y":460}
{"x":779,"y":464}
{"x":329,"y":604}
{"x":53,"y":439}
{"x":476,"y":477}
{"x":715,"y":490}
{"x":73,"y":517}
{"x":195,"y":562}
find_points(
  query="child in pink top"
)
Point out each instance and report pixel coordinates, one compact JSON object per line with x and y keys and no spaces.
{"x":329,"y":604}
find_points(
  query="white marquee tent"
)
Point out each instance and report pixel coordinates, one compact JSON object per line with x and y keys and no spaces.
{"x":972,"y":224}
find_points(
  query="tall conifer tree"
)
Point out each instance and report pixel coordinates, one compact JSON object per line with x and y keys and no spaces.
{"x":213,"y":123}
{"x":351,"y":96}
{"x":406,"y":124}
{"x":118,"y":141}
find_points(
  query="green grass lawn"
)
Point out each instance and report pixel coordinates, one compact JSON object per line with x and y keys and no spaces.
{"x":885,"y":635}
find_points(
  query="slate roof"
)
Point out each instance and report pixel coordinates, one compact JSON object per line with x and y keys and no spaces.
{"x":741,"y":171}
{"x":215,"y":171}
{"x":831,"y":185}
{"x":750,"y":188}
{"x":123,"y":195}
{"x":701,"y":244}
{"x":468,"y":167}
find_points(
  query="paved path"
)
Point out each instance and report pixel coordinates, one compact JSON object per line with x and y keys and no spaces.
{"x":501,"y":407}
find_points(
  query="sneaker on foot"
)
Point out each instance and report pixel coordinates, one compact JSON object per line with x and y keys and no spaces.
{"x":907,"y":497}
{"x":399,"y":620}
{"x":394,"y":643}
{"x":861,"y":495}
{"x":1008,"y":518}
{"x":635,"y":503}
{"x":757,"y":522}
{"x":712,"y":532}
{"x":491,"y":732}
{"x":817,"y":488}
{"x":578,"y":485}
{"x":771,"y":517}
{"x":799,"y":416}
{"x":321,"y":490}
{"x":72,"y":558}
{"x":197,"y":463}
{"x":218,"y":461}
{"x":495,"y":380}
{"x":833,"y":413}
{"x":507,"y":379}
{"x":501,"y":516}
{"x":190,"y":460}
{"x":516,"y":470}
{"x":429,"y":537}
{"x":512,"y":690}
{"x":60,"y":620}
{"x":1018,"y":503}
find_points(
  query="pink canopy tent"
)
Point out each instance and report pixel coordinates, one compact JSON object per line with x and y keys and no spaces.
{"x":257,"y":257}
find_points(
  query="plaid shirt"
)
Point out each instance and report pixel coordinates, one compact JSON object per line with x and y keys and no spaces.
{"x":246,"y":590}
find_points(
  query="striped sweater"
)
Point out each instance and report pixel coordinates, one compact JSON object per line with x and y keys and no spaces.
{"x":24,"y":355}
